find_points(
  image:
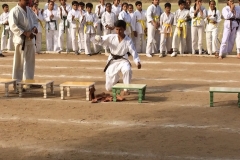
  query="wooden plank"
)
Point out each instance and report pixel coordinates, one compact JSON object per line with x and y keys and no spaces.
{"x":129,"y":86}
{"x":224,"y":89}
{"x":7,"y":80}
{"x":77,"y":84}
{"x":36,"y":82}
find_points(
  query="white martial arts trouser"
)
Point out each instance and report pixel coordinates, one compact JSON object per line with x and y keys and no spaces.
{"x":152,"y":40}
{"x":212,"y":41}
{"x":74,"y":33}
{"x":197,"y":32}
{"x":112,"y":73}
{"x":52,"y":40}
{"x":140,"y":43}
{"x":188,"y":47}
{"x":81,"y":41}
{"x":38,"y":42}
{"x":227,"y":41}
{"x":7,"y":40}
{"x":88,"y":43}
{"x":61,"y":38}
{"x":165,"y":43}
{"x":23,"y":62}
{"x":238,"y":40}
{"x":178,"y":40}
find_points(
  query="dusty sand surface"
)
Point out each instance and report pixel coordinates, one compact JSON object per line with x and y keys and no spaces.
{"x":175,"y":121}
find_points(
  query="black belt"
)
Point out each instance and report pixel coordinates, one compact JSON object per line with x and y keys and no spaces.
{"x":23,"y":45}
{"x":64,"y":21}
{"x":233,"y":19}
{"x":114,"y":57}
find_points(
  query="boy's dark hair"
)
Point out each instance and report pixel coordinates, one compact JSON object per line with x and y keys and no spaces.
{"x":167,"y":5}
{"x":130,"y":5}
{"x":81,"y":4}
{"x":89,"y":5}
{"x":4,"y":5}
{"x":108,"y":4}
{"x":181,"y":2}
{"x":120,"y":23}
{"x":50,"y":1}
{"x":74,"y":3}
{"x":138,"y":2}
{"x":124,"y":4}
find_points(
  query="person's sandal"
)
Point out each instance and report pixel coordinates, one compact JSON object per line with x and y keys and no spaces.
{"x":216,"y":54}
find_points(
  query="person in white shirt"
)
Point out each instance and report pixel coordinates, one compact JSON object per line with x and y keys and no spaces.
{"x":39,"y":13}
{"x":81,"y":41}
{"x":166,"y":23}
{"x":130,"y":10}
{"x":64,"y":26}
{"x":51,"y":17}
{"x":74,"y":19}
{"x":99,"y":10}
{"x":116,"y":8}
{"x":123,"y":15}
{"x":108,"y":18}
{"x":180,"y":33}
{"x":119,"y":44}
{"x":188,"y":47}
{"x":7,"y":35}
{"x":46,"y":5}
{"x":198,"y":14}
{"x":153,"y":37}
{"x":212,"y":21}
{"x":90,"y":21}
{"x":140,"y":28}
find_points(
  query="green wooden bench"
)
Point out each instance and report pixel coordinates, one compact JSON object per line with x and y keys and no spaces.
{"x":116,"y":89}
{"x":223,"y":90}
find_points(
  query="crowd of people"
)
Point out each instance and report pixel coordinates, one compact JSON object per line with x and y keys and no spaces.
{"x":152,"y":31}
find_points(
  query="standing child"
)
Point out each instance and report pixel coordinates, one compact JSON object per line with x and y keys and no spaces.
{"x":153,"y":18}
{"x":6,"y":38}
{"x":99,"y":10}
{"x":108,"y":19}
{"x":130,"y":10}
{"x":188,"y":48}
{"x":74,"y":19}
{"x":139,"y":20}
{"x":166,"y":22}
{"x":39,"y":13}
{"x":51,"y":18}
{"x":64,"y":26}
{"x":123,"y":15}
{"x":47,"y":4}
{"x":89,"y":20}
{"x":212,"y":21}
{"x":116,"y":8}
{"x":198,"y":14}
{"x":180,"y":33}
{"x":81,"y":45}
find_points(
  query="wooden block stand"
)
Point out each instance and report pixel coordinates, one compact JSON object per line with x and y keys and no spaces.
{"x":7,"y":82}
{"x":223,"y":90}
{"x":43,"y":83}
{"x":87,"y":85}
{"x":116,"y":89}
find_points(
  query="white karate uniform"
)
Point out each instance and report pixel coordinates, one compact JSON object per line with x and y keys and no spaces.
{"x":116,"y":10}
{"x":74,"y":27}
{"x":139,"y":22}
{"x":237,"y":16}
{"x":81,"y":40}
{"x":108,"y":19}
{"x":24,"y":60}
{"x":90,"y":23}
{"x":188,"y":47}
{"x":55,"y":7}
{"x":166,"y":30}
{"x":51,"y":30}
{"x":179,"y":36}
{"x":153,"y":36}
{"x":212,"y":31}
{"x":64,"y":27}
{"x":99,"y":29}
{"x":118,"y":65}
{"x":197,"y":28}
{"x":7,"y":35}
{"x":40,"y":29}
{"x":229,"y":32}
{"x":123,"y":15}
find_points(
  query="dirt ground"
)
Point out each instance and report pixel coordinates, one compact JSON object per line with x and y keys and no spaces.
{"x":175,"y":121}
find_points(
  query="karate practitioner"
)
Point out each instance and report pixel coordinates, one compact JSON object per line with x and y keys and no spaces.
{"x":81,"y":41}
{"x":123,"y":15}
{"x":140,"y":23}
{"x":188,"y":47}
{"x":64,"y":26}
{"x":229,"y":31}
{"x":55,"y":5}
{"x":99,"y":10}
{"x":153,"y":18}
{"x":212,"y":21}
{"x":166,"y":22}
{"x":119,"y":45}
{"x":23,"y":23}
{"x":116,"y":8}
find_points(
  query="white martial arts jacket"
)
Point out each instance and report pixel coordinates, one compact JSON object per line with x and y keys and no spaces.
{"x":4,"y":19}
{"x":139,"y":21}
{"x":75,"y":23}
{"x":90,"y":21}
{"x":51,"y":24}
{"x":116,"y":10}
{"x":64,"y":21}
{"x":180,"y":15}
{"x":20,"y":21}
{"x":166,"y":23}
{"x":215,"y":16}
{"x":153,"y":13}
{"x":40,"y":21}
{"x":108,"y":19}
{"x":123,"y":15}
{"x":227,"y":14}
{"x":102,"y":10}
{"x":198,"y":20}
